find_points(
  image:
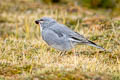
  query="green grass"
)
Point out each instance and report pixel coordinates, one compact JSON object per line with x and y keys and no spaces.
{"x":25,"y":56}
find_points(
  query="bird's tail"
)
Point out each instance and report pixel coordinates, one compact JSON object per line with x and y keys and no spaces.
{"x":95,"y":45}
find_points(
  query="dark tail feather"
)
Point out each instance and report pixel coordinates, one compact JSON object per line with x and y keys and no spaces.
{"x":95,"y":45}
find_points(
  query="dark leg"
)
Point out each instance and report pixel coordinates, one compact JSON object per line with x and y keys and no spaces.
{"x":62,"y":53}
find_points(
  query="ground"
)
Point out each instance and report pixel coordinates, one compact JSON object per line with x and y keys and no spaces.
{"x":25,"y":56}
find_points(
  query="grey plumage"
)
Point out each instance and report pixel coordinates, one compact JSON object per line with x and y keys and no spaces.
{"x":61,"y":37}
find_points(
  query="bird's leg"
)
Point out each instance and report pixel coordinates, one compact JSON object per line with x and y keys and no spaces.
{"x":62,"y":53}
{"x":75,"y":52}
{"x":59,"y":53}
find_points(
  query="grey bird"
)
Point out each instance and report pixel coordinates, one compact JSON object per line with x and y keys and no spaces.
{"x":60,"y":36}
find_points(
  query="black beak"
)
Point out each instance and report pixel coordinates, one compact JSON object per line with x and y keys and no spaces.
{"x":37,"y":21}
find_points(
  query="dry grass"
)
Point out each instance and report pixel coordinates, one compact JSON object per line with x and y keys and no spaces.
{"x":24,"y":55}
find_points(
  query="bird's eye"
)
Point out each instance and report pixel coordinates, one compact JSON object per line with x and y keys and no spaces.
{"x":41,"y":20}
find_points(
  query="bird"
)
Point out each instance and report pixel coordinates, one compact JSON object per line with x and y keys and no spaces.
{"x":60,"y":37}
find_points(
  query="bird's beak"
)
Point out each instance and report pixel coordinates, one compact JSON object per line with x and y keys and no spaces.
{"x":39,"y":21}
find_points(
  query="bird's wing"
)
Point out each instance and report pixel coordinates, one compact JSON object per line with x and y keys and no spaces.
{"x":78,"y":38}
{"x":58,"y":33}
{"x":51,"y":37}
{"x":72,"y":36}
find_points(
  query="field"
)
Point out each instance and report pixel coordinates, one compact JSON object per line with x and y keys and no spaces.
{"x":25,"y":56}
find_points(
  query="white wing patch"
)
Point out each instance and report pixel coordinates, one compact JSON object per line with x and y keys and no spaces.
{"x":71,"y":39}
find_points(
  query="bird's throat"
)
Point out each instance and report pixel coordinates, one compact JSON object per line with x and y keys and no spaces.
{"x":40,"y":27}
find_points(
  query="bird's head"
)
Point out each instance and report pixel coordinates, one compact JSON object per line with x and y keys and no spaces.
{"x":45,"y":22}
